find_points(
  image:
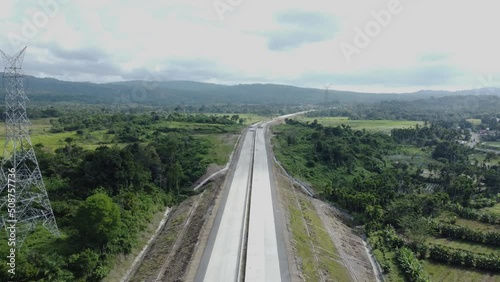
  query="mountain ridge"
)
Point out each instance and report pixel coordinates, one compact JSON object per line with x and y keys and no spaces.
{"x":51,"y":90}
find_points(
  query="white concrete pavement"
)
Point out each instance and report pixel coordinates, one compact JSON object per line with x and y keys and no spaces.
{"x":221,"y":258}
{"x":262,"y":258}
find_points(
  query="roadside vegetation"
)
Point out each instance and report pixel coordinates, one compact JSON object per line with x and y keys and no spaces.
{"x":319,"y":258}
{"x":425,"y":201}
{"x":109,"y":173}
{"x":369,"y":125}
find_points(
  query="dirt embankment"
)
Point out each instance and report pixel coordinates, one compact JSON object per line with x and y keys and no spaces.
{"x":343,"y":258}
{"x":350,"y":245}
{"x":170,"y":255}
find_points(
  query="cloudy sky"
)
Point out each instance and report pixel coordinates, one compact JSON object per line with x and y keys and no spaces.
{"x":362,"y":45}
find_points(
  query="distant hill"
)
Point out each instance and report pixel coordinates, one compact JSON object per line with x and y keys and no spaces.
{"x":49,"y":90}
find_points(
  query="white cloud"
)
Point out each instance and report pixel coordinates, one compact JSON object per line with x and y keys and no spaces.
{"x":259,"y":41}
{"x":6,"y":10}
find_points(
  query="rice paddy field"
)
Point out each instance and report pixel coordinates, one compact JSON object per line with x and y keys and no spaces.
{"x":474,"y":121}
{"x":492,"y":143}
{"x":371,"y":125}
{"x":443,"y":272}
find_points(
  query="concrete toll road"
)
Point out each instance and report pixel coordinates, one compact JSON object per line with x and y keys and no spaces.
{"x":223,"y":253}
{"x":246,"y":240}
{"x":265,"y":258}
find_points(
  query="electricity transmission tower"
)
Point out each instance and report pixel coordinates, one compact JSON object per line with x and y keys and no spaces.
{"x":327,"y":87}
{"x":20,"y":175}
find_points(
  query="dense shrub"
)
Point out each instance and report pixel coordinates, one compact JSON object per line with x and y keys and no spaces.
{"x":482,"y":203}
{"x":410,"y":265}
{"x":467,"y":234}
{"x":98,"y":220}
{"x":473,"y":214}
{"x":464,"y":258}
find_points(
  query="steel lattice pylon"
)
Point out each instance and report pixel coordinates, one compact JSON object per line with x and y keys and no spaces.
{"x":32,"y":203}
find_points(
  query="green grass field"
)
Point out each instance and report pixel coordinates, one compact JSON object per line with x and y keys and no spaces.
{"x":248,"y":118}
{"x":38,"y":126}
{"x":39,"y":133}
{"x":194,"y":127}
{"x":223,"y":146}
{"x":442,"y":272}
{"x":457,"y":244}
{"x":492,"y":143}
{"x":371,"y":125}
{"x":495,"y":209}
{"x":90,"y":140}
{"x":412,"y":155}
{"x":308,"y":235}
{"x":481,"y":158}
{"x":447,"y":273}
{"x":474,"y":121}
{"x":473,"y":224}
{"x":438,"y":271}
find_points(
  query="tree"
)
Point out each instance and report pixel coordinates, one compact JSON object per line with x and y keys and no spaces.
{"x":374,"y":213}
{"x":112,"y":168}
{"x":174,"y":175}
{"x":418,"y":229}
{"x":98,"y":220}
{"x":68,"y":140}
{"x":461,"y":189}
{"x":84,"y":263}
{"x":449,"y":151}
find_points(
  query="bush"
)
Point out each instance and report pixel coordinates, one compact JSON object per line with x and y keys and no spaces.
{"x":386,"y":266}
{"x":391,"y":239}
{"x":439,"y":253}
{"x":482,"y":203}
{"x":453,"y":220}
{"x":83,"y":264}
{"x":473,"y":214}
{"x":464,"y":258}
{"x":412,"y":268}
{"x":467,"y":234}
{"x":98,"y":220}
{"x":420,"y":249}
